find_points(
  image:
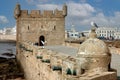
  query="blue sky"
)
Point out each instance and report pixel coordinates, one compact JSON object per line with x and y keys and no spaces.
{"x":80,"y":12}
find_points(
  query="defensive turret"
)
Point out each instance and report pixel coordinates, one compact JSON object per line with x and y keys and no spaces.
{"x":94,"y":55}
{"x":65,"y":10}
{"x":17,"y":11}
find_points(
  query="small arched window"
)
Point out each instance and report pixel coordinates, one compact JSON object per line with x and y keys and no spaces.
{"x":54,"y":27}
{"x":28,"y":27}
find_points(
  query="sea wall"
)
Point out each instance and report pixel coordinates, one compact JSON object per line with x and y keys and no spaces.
{"x":8,"y":37}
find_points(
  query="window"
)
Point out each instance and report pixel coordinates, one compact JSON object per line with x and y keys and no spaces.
{"x":71,"y":34}
{"x":28,"y":27}
{"x":54,"y":27}
{"x":76,"y":35}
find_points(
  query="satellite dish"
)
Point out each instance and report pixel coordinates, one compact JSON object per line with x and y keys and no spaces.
{"x":94,"y":24}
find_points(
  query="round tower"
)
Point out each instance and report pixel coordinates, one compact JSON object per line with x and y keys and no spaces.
{"x":17,"y":10}
{"x":94,"y":55}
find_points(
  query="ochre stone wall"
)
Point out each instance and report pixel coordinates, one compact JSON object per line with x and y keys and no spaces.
{"x":47,"y":24}
{"x":32,"y":58}
{"x":52,"y":30}
{"x":44,"y":64}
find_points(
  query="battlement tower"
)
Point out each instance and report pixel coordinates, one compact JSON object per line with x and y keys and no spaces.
{"x":47,"y":25}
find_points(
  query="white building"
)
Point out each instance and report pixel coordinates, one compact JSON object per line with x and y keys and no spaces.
{"x":108,"y":32}
{"x":102,"y":32}
{"x":1,"y":31}
{"x":86,"y":33}
{"x":13,"y":30}
{"x":8,"y":31}
{"x":73,"y":33}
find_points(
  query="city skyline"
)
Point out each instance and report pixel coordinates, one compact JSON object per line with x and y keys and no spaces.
{"x":80,"y":12}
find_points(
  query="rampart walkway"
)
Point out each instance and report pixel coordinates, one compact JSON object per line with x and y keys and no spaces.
{"x":115,"y":62}
{"x":63,"y":49}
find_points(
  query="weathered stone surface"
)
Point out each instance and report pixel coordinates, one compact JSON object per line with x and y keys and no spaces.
{"x":94,"y":54}
{"x":39,"y":63}
{"x":48,"y":26}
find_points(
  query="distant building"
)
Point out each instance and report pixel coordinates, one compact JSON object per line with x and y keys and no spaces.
{"x":1,"y":32}
{"x":108,"y":32}
{"x":73,"y":33}
{"x":85,"y":33}
{"x":13,"y":30}
{"x":9,"y":31}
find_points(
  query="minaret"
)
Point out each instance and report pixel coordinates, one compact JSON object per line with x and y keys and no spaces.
{"x":65,"y":10}
{"x":17,"y":10}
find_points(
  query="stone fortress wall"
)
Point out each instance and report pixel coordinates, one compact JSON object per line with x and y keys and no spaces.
{"x":35,"y":26}
{"x":45,"y":64}
{"x":92,"y":60}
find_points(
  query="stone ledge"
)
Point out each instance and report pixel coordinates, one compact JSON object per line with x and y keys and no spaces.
{"x":102,"y":76}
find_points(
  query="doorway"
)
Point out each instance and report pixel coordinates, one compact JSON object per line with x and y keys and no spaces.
{"x":41,"y":38}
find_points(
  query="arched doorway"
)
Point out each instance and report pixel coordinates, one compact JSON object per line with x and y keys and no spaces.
{"x":41,"y":38}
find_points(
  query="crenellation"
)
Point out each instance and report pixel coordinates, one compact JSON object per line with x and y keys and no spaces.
{"x":35,"y":13}
{"x":42,"y":14}
{"x":47,"y":13}
{"x":24,"y":13}
{"x":58,"y":13}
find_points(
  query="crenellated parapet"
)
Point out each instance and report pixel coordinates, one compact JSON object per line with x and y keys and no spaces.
{"x":40,"y":14}
{"x":44,"y":14}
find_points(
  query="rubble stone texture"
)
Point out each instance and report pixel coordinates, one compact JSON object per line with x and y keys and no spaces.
{"x":94,"y":54}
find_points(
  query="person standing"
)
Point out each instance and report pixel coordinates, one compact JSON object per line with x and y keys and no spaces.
{"x":42,"y":43}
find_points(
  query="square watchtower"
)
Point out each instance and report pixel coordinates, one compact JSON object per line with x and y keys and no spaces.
{"x":48,"y":25}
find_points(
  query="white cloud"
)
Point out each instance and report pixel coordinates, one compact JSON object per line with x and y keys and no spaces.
{"x":37,"y":1}
{"x":81,"y":14}
{"x":76,"y":12}
{"x":3,"y":20}
{"x":115,"y":20}
{"x":48,"y":6}
{"x":82,"y":10}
